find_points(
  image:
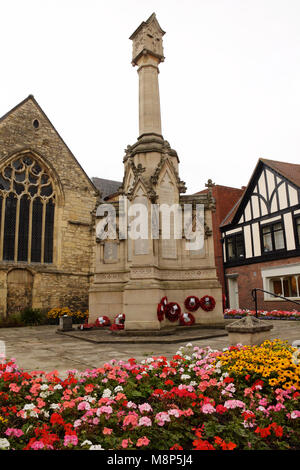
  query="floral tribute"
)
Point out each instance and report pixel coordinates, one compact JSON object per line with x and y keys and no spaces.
{"x":102,"y":321}
{"x":192,"y":303}
{"x":161,"y":308}
{"x":186,"y":319}
{"x":266,"y":315}
{"x":242,"y":398}
{"x":207,"y":303}
{"x":118,"y":323}
{"x":172,"y":311}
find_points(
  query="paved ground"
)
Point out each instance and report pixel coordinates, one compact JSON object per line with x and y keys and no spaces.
{"x":41,"y":348}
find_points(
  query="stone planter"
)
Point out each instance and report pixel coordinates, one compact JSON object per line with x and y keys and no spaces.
{"x":248,"y":331}
{"x":65,"y":323}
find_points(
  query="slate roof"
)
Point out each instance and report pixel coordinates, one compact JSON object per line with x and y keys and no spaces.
{"x":106,"y":187}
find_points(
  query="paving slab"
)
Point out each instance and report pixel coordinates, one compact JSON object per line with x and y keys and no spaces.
{"x":41,"y":348}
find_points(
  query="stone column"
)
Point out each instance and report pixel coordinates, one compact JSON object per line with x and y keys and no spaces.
{"x":149,"y":102}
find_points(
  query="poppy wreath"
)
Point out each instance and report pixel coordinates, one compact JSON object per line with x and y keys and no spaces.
{"x":86,"y":326}
{"x":186,"y":319}
{"x":192,"y":303}
{"x":164,"y":301}
{"x":102,"y":321}
{"x":172,"y":311}
{"x":160,"y":311}
{"x":207,"y":303}
{"x":118,"y":322}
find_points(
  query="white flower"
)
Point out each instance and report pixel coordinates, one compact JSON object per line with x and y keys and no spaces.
{"x":119,"y":388}
{"x":54,"y":406}
{"x":106,"y":393}
{"x":44,"y":387}
{"x":185,"y":377}
{"x":96,"y":447}
{"x":4,"y":444}
{"x":193,"y":383}
{"x":57,"y":387}
{"x":29,"y":406}
{"x":189,"y":345}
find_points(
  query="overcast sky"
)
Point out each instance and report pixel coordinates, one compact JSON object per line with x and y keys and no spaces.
{"x":229,"y":87}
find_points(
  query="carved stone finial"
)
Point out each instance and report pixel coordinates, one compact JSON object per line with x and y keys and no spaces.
{"x":147,"y":38}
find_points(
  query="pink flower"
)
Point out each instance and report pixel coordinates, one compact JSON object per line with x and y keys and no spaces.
{"x":145,"y":421}
{"x":162,"y":418}
{"x":131,"y":419}
{"x":70,"y":439}
{"x":125,"y":443}
{"x":231,"y":404}
{"x":208,"y":408}
{"x":295,"y":414}
{"x":37,"y":445}
{"x":14,"y":387}
{"x":107,"y":431}
{"x":142,"y":441}
{"x":77,"y":423}
{"x":14,"y":432}
{"x":145,"y":407}
{"x":84,"y":405}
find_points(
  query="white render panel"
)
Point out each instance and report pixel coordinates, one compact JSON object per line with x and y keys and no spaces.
{"x":235,"y":230}
{"x":256,"y":240}
{"x":262,"y":186}
{"x":283,"y":204}
{"x":289,"y":231}
{"x":293,"y":196}
{"x":255,"y":207}
{"x":270,"y":182}
{"x":297,"y":212}
{"x":274,"y":205}
{"x":248,"y":244}
{"x":247,"y":212}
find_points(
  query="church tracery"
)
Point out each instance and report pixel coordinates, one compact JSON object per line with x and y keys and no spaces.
{"x":27,"y":204}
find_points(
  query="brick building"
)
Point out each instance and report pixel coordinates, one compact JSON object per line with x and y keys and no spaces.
{"x":261,"y":238}
{"x":225,"y":198}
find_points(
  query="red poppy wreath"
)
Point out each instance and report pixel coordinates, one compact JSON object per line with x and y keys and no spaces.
{"x":102,"y":321}
{"x":160,"y":311}
{"x":186,"y":319}
{"x":207,"y":303}
{"x":172,"y":311}
{"x":192,"y":303}
{"x":118,"y":322}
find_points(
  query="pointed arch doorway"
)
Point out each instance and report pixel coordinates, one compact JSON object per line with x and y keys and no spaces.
{"x":19,"y":290}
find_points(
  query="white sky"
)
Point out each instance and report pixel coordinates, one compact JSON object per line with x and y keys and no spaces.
{"x":230,"y":84}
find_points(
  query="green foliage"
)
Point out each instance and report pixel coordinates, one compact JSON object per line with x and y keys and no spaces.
{"x":32,"y":316}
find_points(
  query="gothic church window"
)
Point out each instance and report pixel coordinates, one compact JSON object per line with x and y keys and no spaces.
{"x":27,"y":204}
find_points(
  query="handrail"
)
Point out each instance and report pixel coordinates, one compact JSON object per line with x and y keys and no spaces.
{"x":254,"y":297}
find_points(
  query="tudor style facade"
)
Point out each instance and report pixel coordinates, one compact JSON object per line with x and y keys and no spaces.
{"x":261,"y":238}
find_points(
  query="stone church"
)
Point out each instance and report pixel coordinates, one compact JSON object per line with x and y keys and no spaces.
{"x":49,"y":252}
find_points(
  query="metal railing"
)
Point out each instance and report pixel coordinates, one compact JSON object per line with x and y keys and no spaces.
{"x":254,"y":297}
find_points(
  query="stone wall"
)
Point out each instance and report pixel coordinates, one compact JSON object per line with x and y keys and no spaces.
{"x":65,"y":281}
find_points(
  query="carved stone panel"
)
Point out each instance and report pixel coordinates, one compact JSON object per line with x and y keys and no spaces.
{"x":110,"y":252}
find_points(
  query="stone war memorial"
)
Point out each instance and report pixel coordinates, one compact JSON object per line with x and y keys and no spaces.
{"x":161,"y":274}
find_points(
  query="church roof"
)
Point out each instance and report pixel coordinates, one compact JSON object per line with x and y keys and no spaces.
{"x":106,"y":187}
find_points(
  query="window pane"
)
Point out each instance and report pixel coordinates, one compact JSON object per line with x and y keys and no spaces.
{"x":240,"y":246}
{"x":36,"y":237}
{"x":279,"y":240}
{"x":286,"y":288}
{"x":49,"y":224}
{"x":298,"y":230}
{"x":277,"y":286}
{"x":23,"y":229}
{"x":267,"y":242}
{"x":230,"y":248}
{"x":293,"y":286}
{"x":9,"y":228}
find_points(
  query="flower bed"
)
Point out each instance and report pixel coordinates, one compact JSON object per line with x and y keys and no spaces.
{"x":266,"y":315}
{"x":241,"y":398}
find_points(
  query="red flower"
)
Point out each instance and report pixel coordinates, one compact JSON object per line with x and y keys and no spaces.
{"x":56,"y":419}
{"x":221,"y":409}
{"x":176,"y":447}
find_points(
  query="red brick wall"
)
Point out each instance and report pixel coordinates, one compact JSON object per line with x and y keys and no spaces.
{"x":249,"y":277}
